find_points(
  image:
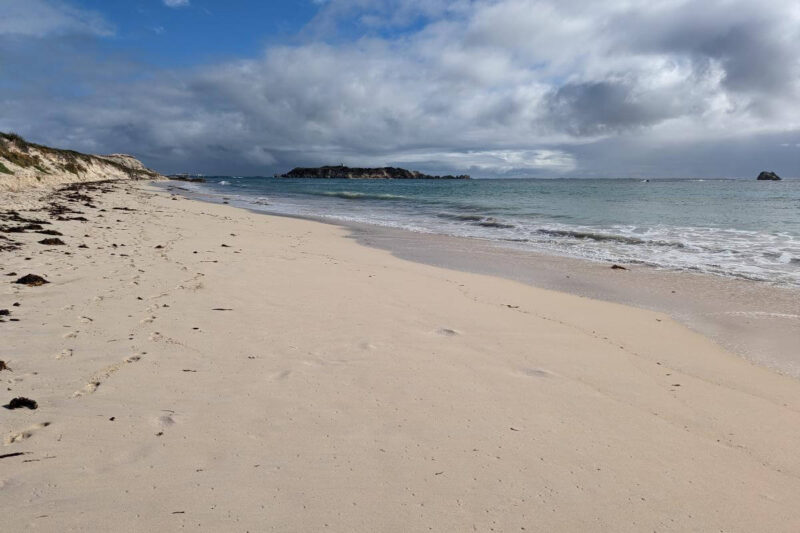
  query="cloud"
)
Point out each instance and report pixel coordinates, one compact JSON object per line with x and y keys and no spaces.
{"x":510,"y":161}
{"x":42,"y":18}
{"x":176,"y":3}
{"x":372,"y":14}
{"x":501,"y":87}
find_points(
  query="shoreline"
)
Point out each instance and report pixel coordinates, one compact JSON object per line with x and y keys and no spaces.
{"x":757,"y":320}
{"x":201,"y":366}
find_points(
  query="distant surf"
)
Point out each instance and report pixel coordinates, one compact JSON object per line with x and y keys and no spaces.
{"x":350,"y":195}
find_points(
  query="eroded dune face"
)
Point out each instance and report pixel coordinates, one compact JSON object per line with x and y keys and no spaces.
{"x":25,"y":165}
{"x":126,"y":160}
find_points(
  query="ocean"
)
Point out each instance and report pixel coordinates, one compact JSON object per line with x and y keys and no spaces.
{"x":740,"y":228}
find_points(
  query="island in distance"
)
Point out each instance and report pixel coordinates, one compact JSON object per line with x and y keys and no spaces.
{"x":343,"y":172}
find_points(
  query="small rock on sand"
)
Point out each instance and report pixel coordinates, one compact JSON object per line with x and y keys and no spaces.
{"x":32,"y":280}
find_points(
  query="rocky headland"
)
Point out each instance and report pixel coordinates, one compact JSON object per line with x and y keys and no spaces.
{"x":384,"y":173}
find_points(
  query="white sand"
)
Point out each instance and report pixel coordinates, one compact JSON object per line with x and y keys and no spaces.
{"x":348,"y":390}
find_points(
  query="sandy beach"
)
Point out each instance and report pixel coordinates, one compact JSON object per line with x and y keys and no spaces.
{"x":757,"y":321}
{"x":202,"y":367}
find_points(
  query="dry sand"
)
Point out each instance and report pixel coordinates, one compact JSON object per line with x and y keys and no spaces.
{"x":205,"y":368}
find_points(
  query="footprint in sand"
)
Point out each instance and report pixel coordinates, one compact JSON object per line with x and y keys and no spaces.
{"x":66,"y":352}
{"x":103,"y":375}
{"x":148,"y":320}
{"x":25,"y":434}
{"x":89,"y":388}
{"x":447,"y":332}
{"x":537,"y":372}
{"x":70,"y":335}
{"x":192,"y":284}
{"x":282,"y":375}
{"x":163,"y":422}
{"x":86,"y":319}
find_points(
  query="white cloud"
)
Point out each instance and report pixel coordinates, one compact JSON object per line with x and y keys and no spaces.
{"x":492,"y":161}
{"x":41,"y":18}
{"x":176,"y":3}
{"x":501,"y":86}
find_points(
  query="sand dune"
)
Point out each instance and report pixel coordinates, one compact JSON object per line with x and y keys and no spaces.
{"x":26,"y":166}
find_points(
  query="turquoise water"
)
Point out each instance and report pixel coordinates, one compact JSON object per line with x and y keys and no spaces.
{"x":741,"y":228}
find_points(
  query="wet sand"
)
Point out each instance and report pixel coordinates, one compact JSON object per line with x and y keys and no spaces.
{"x":756,"y":320}
{"x":197,"y":366}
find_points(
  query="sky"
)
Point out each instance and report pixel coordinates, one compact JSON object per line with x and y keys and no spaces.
{"x":492,"y":88}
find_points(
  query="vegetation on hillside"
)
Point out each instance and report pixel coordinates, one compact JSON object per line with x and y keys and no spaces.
{"x":16,"y":150}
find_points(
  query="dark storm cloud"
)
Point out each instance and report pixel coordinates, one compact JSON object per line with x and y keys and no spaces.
{"x":605,"y":107}
{"x":753,"y":42}
{"x":505,"y":87}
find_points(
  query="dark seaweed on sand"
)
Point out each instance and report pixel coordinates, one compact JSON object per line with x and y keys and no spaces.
{"x":20,"y":402}
{"x":55,"y":241}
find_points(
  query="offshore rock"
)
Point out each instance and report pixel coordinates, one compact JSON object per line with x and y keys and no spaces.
{"x":768,"y":176}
